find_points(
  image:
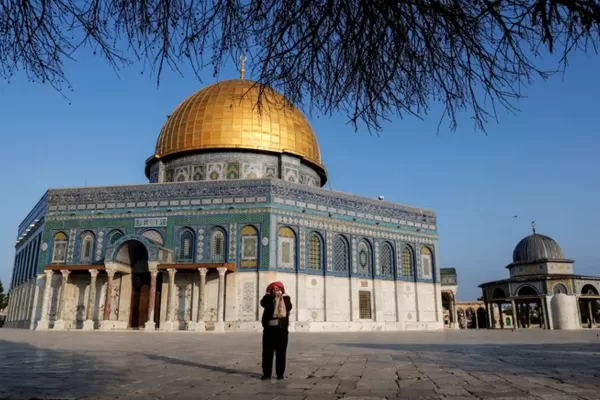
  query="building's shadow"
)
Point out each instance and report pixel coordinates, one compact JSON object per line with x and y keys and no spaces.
{"x":29,"y":372}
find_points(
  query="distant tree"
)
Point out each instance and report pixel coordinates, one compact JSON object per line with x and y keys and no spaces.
{"x":370,"y":59}
{"x":3,"y":297}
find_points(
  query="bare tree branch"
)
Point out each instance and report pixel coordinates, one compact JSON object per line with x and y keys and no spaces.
{"x":368,"y":59}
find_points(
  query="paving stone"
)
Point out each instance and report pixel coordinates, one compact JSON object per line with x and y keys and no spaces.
{"x":528,"y":364}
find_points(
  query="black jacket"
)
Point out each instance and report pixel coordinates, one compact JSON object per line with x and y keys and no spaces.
{"x":269,"y":306}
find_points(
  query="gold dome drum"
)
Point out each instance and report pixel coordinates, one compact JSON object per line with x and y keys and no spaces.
{"x":225,"y":115}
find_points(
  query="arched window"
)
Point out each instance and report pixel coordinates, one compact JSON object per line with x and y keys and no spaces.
{"x":315,"y":253}
{"x":87,"y":246}
{"x":387,"y":260}
{"x":113,"y":236}
{"x":59,"y":248}
{"x":559,"y":288}
{"x":364,"y":258}
{"x":287,"y":248}
{"x":186,"y":246}
{"x":407,"y":262}
{"x":426,"y":262}
{"x":249,"y":236}
{"x":217,"y":245}
{"x":340,"y":255}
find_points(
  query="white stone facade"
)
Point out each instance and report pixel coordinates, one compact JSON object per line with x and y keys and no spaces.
{"x":320,"y":303}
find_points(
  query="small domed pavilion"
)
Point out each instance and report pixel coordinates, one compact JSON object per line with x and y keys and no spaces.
{"x":543,"y":289}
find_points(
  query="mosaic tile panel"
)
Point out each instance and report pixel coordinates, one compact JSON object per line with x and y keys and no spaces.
{"x":329,"y":244}
{"x":281,"y":192}
{"x":232,"y":241}
{"x":302,"y":265}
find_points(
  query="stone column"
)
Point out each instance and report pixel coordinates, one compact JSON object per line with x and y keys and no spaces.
{"x":110,"y":288}
{"x":527,"y":315}
{"x":88,"y":324}
{"x":39,"y":285}
{"x":492,"y":324}
{"x":44,"y":321}
{"x":59,"y":324}
{"x":170,"y":323}
{"x":590,"y":314}
{"x":514,"y":314}
{"x":455,"y":312}
{"x":150,"y":324}
{"x":549,"y":310}
{"x":500,"y":316}
{"x":220,"y":324}
{"x":543,"y":317}
{"x":199,"y":325}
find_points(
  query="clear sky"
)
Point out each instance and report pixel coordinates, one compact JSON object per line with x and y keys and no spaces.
{"x":542,"y":164}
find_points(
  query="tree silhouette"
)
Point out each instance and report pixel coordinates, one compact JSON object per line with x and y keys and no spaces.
{"x":370,"y":59}
{"x":3,"y":297}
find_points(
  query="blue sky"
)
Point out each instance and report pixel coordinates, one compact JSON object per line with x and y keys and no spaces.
{"x":541,"y":164}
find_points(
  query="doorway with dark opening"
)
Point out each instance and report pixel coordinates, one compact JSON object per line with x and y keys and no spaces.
{"x":140,"y":287}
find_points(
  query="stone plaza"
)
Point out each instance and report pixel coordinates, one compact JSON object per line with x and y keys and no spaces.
{"x":450,"y":364}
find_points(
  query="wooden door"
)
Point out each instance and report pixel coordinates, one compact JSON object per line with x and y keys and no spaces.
{"x":143,"y":305}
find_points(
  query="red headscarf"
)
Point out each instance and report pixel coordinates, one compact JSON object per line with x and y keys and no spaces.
{"x":275,"y":284}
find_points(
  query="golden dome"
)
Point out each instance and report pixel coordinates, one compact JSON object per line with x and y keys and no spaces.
{"x":224,"y":115}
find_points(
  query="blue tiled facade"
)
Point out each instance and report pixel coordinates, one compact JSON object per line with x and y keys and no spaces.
{"x":200,"y":207}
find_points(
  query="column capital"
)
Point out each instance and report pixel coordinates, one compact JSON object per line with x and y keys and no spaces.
{"x":153,"y":272}
{"x":171,"y":271}
{"x":111,"y":272}
{"x":65,"y":273}
{"x":222,"y":270}
{"x":93,"y":273}
{"x":203,"y":271}
{"x":49,"y":273}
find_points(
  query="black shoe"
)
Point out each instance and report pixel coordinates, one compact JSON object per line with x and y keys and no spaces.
{"x":265,"y":378}
{"x":279,"y":377}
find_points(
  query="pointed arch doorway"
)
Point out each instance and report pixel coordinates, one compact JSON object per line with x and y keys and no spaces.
{"x":135,"y":254}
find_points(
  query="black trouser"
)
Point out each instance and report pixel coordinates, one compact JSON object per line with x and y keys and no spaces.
{"x":275,"y":340}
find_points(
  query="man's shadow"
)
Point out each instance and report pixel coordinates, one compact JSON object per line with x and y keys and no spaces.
{"x":176,"y":361}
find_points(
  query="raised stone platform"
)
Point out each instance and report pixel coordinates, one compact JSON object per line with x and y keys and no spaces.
{"x":526,"y":364}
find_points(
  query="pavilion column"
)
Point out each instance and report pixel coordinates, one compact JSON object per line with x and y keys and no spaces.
{"x":492,"y":324}
{"x":59,"y":324}
{"x":88,"y":324}
{"x":150,"y":324}
{"x":543,"y":318}
{"x":110,"y":289}
{"x":514,"y":314}
{"x":220,"y":325}
{"x":170,"y":323}
{"x":527,"y":315}
{"x":44,"y":321}
{"x":199,"y":325}
{"x":590,"y":314}
{"x":549,"y":311}
{"x":488,"y":313}
{"x":455,"y":313}
{"x":500,"y":316}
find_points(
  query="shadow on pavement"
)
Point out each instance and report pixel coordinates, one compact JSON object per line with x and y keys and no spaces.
{"x":30,"y":372}
{"x":215,"y":368}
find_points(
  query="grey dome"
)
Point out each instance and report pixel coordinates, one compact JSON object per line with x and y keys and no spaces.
{"x":537,"y":247}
